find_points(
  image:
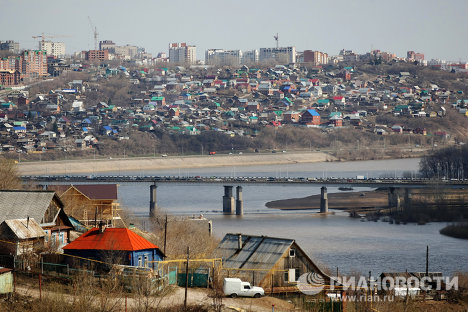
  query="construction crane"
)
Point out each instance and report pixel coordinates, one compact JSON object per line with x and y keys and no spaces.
{"x":276,"y":38}
{"x":95,"y":33}
{"x":43,"y":38}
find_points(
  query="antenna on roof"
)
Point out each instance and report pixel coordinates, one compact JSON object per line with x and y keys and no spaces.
{"x":276,"y":38}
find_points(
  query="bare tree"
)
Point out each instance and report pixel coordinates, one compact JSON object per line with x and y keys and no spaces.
{"x":9,"y":179}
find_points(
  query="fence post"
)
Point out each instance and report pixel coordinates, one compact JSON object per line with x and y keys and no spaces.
{"x":68,"y":269}
{"x":40,"y":287}
{"x":42,"y":266}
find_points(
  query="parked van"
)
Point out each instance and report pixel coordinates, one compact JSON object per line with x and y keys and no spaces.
{"x":235,"y":287}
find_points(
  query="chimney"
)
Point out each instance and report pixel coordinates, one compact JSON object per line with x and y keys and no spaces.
{"x":239,"y":241}
{"x":27,"y":222}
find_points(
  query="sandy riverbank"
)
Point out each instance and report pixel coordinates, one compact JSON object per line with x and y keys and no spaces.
{"x":344,"y":200}
{"x":172,"y":162}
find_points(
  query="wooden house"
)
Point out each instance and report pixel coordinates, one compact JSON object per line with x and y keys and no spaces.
{"x":20,"y":236}
{"x":265,"y":261}
{"x":43,"y":206}
{"x":90,"y":203}
{"x":115,"y":245}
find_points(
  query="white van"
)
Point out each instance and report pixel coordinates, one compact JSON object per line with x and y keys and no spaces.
{"x":235,"y":287}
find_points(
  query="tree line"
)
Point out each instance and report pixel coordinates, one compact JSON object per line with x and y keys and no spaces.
{"x":447,"y":163}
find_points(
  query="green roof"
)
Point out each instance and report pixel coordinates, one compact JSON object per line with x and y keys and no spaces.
{"x":157,"y":98}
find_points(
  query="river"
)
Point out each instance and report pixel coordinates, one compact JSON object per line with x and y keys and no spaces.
{"x":334,"y":241}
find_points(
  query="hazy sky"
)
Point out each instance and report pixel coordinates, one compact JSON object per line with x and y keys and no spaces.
{"x":436,"y":28}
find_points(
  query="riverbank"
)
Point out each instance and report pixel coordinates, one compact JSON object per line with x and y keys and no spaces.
{"x":458,"y":230}
{"x":87,"y":166}
{"x":345,"y":200}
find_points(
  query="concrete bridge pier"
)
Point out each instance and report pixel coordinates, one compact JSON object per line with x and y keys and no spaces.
{"x":394,"y":200}
{"x":228,"y":200}
{"x":153,"y":203}
{"x":323,"y":200}
{"x":408,"y":197}
{"x":239,"y":202}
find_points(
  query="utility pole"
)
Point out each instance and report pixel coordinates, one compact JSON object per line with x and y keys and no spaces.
{"x":165,"y":234}
{"x":427,"y":260}
{"x":186,"y":277}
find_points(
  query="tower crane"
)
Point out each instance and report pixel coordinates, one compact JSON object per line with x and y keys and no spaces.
{"x":276,"y":38}
{"x":95,"y":33}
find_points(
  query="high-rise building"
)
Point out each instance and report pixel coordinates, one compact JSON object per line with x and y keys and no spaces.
{"x":56,"y":49}
{"x":107,"y":45}
{"x":315,"y":57}
{"x":34,"y":64}
{"x":181,"y":53}
{"x":250,"y":57}
{"x":10,"y":46}
{"x":278,"y":55}
{"x":223,"y":57}
{"x":127,"y":51}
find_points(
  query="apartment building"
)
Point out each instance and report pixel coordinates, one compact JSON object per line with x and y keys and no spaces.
{"x":415,"y":56}
{"x":97,"y":55}
{"x":315,"y":57}
{"x":250,"y":57}
{"x":278,"y":55}
{"x":223,"y":57}
{"x":107,"y":45}
{"x":33,"y":64}
{"x":56,"y":49}
{"x":10,"y":46}
{"x":181,"y":53}
{"x":9,"y":78}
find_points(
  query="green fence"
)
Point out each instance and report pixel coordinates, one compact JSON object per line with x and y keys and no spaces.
{"x":196,"y":278}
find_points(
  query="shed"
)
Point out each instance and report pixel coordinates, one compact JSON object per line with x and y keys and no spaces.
{"x":6,"y":281}
{"x":20,"y":236}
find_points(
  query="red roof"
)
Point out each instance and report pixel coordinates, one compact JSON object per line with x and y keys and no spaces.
{"x":110,"y":239}
{"x":92,"y":191}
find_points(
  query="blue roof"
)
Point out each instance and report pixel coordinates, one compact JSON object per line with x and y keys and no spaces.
{"x":86,"y":120}
{"x":19,"y":128}
{"x":85,"y":129}
{"x":313,"y":112}
{"x":107,"y":128}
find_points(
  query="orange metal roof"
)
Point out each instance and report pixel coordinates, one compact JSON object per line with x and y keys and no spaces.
{"x":110,"y":239}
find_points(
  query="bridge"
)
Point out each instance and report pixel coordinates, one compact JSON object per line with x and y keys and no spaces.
{"x":357,"y":182}
{"x":399,"y":189}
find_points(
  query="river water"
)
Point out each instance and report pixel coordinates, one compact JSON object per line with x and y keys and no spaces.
{"x":333,"y":241}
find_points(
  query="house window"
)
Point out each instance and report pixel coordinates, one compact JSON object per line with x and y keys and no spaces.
{"x":139,"y":261}
{"x":292,"y":252}
{"x":146,"y":261}
{"x":298,"y":274}
{"x":46,"y":237}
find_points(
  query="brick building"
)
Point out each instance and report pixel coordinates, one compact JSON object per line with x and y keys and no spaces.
{"x":9,"y":78}
{"x":100,"y":55}
{"x":315,"y":57}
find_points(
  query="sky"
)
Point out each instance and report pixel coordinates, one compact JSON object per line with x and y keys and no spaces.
{"x":434,"y":27}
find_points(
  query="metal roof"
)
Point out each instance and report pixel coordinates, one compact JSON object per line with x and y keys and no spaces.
{"x":21,"y":204}
{"x":257,"y":252}
{"x":25,"y":228}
